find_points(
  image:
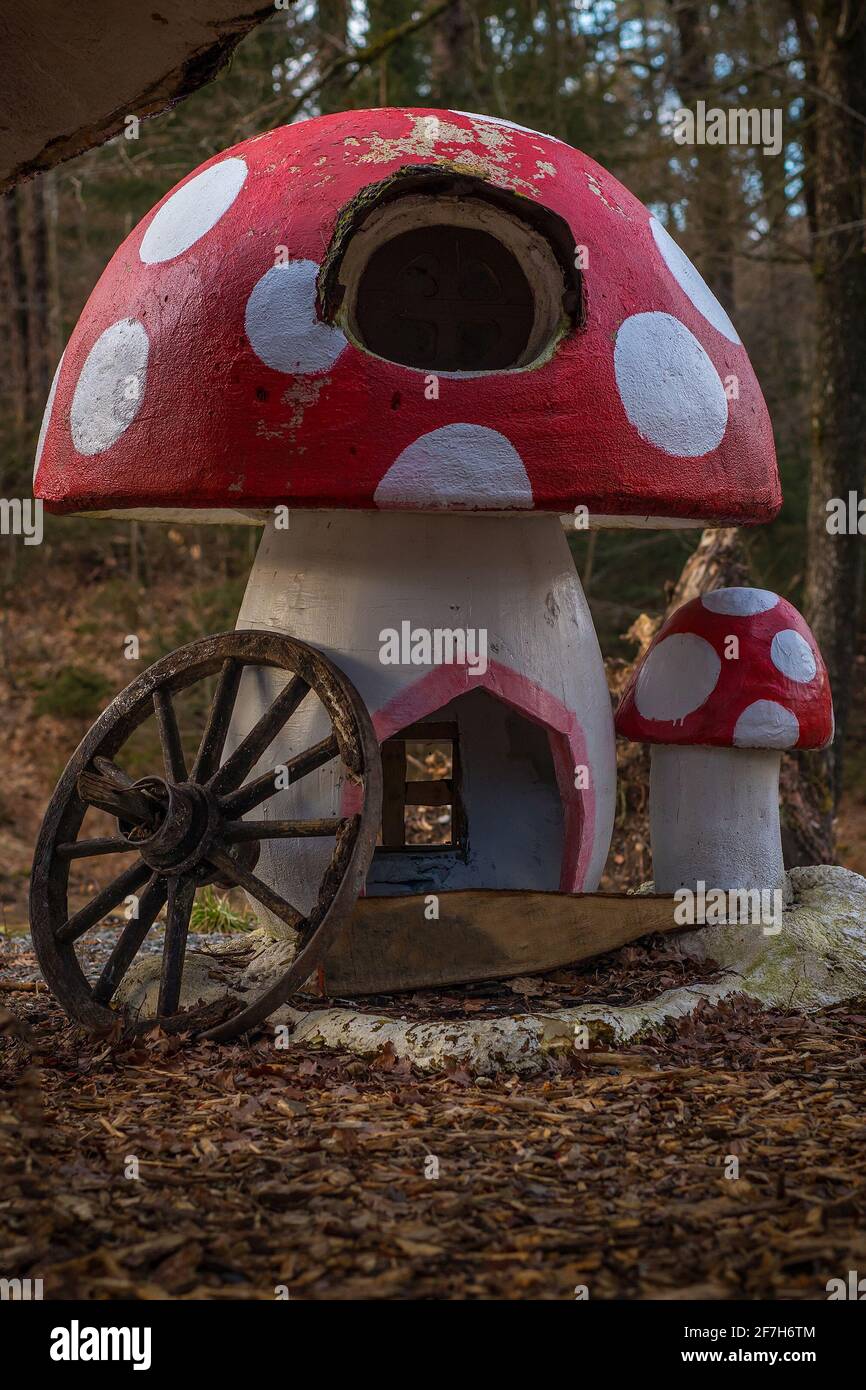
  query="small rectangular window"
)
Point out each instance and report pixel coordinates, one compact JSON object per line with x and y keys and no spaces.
{"x":421,"y":803}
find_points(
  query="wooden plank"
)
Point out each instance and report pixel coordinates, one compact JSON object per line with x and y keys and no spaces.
{"x":436,"y":792}
{"x":445,"y":732}
{"x":389,"y":945}
{"x":393,"y":792}
{"x":236,"y":832}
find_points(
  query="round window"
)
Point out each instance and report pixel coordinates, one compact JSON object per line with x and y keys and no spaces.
{"x":447,"y":298}
{"x":441,"y":273}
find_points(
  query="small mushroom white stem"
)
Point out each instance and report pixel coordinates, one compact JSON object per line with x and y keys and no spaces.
{"x":714,"y":818}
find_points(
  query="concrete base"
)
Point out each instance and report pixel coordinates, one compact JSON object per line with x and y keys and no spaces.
{"x":817,"y":959}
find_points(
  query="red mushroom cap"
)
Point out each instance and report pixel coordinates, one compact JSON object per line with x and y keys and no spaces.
{"x":694,"y":685}
{"x":210,"y":370}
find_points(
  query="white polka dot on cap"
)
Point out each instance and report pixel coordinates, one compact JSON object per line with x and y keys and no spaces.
{"x":740,"y":602}
{"x":678,"y":676}
{"x":281,"y":321}
{"x":791,"y":654}
{"x":111,"y":387}
{"x":670,"y":390}
{"x":468,"y":466}
{"x":691,"y":282}
{"x":766,"y":724}
{"x":190,"y":213}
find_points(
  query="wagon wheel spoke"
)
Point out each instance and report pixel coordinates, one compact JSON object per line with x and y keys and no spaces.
{"x":124,"y":800}
{"x":246,"y":798}
{"x":253,"y":885}
{"x":222,"y":708}
{"x":84,"y":849}
{"x":236,"y":832}
{"x":150,"y":904}
{"x":180,"y":897}
{"x":109,"y":898}
{"x":260,"y":737}
{"x":110,"y":769}
{"x":169,"y":736}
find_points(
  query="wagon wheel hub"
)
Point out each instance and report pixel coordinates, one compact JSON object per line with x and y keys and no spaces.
{"x":172,"y":825}
{"x":187,"y":821}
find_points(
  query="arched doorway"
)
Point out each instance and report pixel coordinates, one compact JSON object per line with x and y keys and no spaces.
{"x":472,"y":800}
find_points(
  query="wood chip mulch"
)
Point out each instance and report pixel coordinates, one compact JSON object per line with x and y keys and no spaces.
{"x":340,"y":1178}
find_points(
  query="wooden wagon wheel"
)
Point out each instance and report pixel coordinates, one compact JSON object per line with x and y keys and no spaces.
{"x":186,"y":827}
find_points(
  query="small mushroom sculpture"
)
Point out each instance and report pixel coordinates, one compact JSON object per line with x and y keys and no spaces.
{"x":430,"y":335}
{"x":730,"y":680}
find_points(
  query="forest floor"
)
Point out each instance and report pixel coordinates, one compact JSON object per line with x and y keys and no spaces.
{"x":164,"y":1169}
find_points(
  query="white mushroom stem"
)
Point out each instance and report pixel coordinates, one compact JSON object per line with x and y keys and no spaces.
{"x":714,"y":818}
{"x":340,"y":580}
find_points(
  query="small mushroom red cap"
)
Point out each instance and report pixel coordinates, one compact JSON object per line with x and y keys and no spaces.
{"x":736,"y":667}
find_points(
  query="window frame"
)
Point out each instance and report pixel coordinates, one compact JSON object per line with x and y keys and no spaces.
{"x":398,"y":790}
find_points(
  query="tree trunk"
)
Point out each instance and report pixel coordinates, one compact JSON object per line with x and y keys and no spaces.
{"x":451,"y":58}
{"x":18,"y":342}
{"x":333,"y":23}
{"x":39,"y":327}
{"x":719,"y":562}
{"x":834,"y":571}
{"x":693,"y":75}
{"x":806,"y":121}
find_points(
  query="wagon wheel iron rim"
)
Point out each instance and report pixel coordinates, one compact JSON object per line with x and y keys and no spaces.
{"x":186,"y":827}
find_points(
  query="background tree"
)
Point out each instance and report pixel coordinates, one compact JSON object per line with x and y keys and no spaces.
{"x":833,"y":36}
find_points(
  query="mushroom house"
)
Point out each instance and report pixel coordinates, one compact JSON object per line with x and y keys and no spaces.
{"x":419,"y":348}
